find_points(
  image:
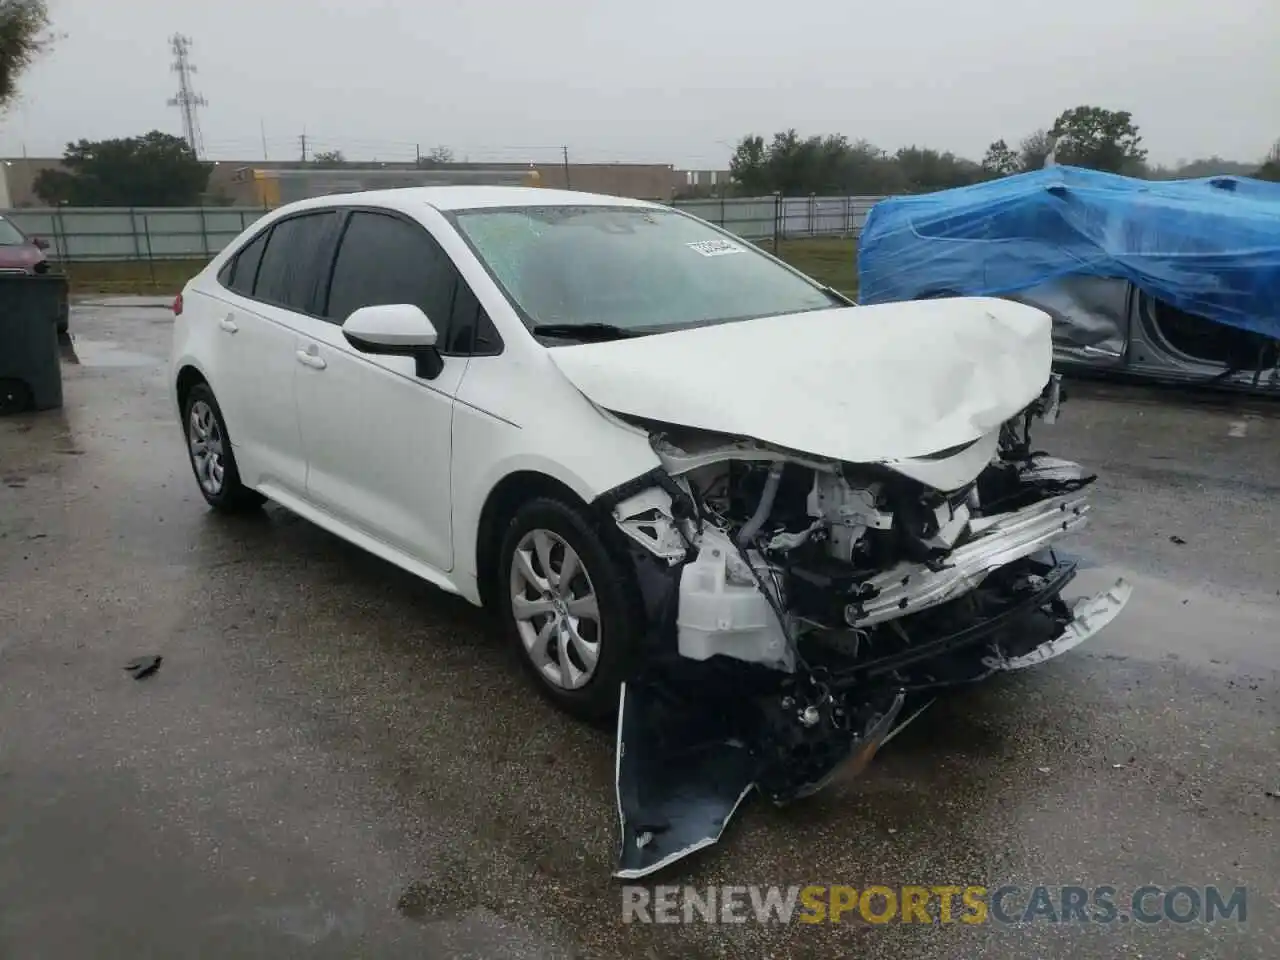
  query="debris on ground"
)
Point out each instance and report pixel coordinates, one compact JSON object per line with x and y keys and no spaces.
{"x":1178,"y":540}
{"x":141,"y":667}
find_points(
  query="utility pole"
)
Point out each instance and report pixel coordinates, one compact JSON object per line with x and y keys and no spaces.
{"x":565,"y":150}
{"x":186,"y":99}
{"x":262,"y":128}
{"x":303,"y":140}
{"x":417,"y":154}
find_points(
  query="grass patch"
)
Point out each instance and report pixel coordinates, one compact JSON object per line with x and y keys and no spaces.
{"x":131,"y":276}
{"x":829,"y":260}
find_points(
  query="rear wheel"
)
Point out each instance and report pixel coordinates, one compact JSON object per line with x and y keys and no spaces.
{"x":211,"y":456}
{"x":569,"y":606}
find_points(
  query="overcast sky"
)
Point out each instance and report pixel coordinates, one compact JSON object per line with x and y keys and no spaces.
{"x":657,"y":80}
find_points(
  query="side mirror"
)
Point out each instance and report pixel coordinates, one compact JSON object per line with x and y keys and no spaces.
{"x":398,"y":330}
{"x":40,"y":243}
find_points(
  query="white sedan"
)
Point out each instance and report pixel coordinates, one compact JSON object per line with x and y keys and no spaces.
{"x":703,"y":491}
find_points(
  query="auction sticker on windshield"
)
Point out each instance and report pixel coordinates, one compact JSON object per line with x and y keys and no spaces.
{"x":716,"y":248}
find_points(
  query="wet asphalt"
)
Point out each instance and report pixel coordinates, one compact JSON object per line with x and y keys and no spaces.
{"x":335,"y":760}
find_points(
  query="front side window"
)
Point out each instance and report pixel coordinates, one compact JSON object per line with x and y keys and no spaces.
{"x":638,"y":269}
{"x":383,"y":259}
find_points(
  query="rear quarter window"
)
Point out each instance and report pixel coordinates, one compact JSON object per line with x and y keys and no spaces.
{"x":241,"y":271}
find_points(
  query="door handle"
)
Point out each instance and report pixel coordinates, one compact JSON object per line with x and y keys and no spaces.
{"x":227,"y":324}
{"x":314,"y":361}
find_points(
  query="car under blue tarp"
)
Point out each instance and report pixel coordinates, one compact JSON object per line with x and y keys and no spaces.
{"x":1208,"y":246}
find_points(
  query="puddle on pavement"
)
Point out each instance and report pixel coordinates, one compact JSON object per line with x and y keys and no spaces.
{"x":105,"y":353}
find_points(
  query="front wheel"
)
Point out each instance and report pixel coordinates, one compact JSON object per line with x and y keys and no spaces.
{"x":570,"y":607}
{"x":211,"y":456}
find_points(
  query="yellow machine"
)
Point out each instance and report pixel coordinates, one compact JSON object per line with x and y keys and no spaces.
{"x":273,"y":187}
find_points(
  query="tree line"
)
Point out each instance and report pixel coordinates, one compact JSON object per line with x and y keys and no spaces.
{"x":1084,"y":136}
{"x":156,"y":169}
{"x":434,"y":157}
{"x":159,"y":169}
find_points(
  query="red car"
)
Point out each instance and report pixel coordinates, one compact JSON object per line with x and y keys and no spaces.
{"x":22,"y":254}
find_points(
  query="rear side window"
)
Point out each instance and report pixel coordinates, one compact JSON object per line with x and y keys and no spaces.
{"x":288,"y":270}
{"x":241,"y":272}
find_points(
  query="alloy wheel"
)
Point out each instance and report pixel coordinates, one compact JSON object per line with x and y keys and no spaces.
{"x":555,"y":609}
{"x":206,"y":443}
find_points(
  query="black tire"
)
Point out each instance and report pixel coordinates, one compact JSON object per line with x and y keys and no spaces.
{"x":232,"y":496}
{"x":620,"y":618}
{"x":15,"y":396}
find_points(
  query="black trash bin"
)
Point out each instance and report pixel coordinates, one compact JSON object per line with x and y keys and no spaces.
{"x":30,"y":365}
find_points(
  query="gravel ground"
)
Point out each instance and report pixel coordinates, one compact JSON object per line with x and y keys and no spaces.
{"x":336,"y":760}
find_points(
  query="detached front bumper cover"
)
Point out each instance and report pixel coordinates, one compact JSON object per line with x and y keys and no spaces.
{"x":1089,"y":616}
{"x":681,"y":774}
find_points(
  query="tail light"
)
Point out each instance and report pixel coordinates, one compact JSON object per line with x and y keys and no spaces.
{"x":177,"y":305}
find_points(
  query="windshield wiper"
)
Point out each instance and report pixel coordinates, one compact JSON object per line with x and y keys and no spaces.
{"x":585,"y":331}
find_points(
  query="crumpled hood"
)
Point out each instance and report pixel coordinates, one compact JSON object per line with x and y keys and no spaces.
{"x":860,"y":384}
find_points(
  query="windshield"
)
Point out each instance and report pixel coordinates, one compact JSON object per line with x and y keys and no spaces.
{"x":635,"y":268}
{"x":10,"y":236}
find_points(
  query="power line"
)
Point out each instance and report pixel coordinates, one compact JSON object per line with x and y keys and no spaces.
{"x":187,"y":100}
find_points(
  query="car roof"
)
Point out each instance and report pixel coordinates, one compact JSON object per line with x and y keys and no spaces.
{"x":470,"y":197}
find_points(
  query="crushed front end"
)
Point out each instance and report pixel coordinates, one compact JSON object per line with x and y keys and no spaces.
{"x":801,"y":611}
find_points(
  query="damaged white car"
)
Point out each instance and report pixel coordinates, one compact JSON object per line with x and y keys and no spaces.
{"x":761,"y":525}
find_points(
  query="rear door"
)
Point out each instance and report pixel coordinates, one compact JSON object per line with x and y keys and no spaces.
{"x":377,"y":436}
{"x":270,"y":288}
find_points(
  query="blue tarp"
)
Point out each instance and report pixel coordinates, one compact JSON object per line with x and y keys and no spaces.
{"x":1209,"y":246}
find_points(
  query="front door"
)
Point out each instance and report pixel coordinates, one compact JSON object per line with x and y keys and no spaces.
{"x":1171,"y":344}
{"x":1090,"y":318}
{"x":378,"y":437}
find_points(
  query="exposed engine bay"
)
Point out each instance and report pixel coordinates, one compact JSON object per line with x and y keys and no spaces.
{"x":801,"y":611}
